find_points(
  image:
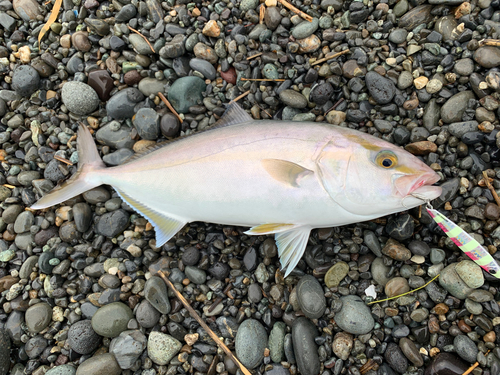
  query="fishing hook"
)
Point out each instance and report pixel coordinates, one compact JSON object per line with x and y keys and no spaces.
{"x":427,"y":202}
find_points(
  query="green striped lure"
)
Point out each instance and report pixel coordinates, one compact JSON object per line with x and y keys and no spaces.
{"x":465,"y":242}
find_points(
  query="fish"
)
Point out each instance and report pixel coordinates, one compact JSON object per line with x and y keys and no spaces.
{"x":276,"y":177}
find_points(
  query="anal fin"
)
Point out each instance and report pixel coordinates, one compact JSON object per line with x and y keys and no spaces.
{"x":165,"y":227}
{"x":291,"y":246}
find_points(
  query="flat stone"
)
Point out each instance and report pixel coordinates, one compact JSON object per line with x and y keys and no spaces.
{"x":311,"y":297}
{"x":304,"y":346}
{"x":121,"y":105}
{"x":453,"y":283}
{"x":336,"y":274}
{"x":277,"y":341}
{"x":155,"y":291}
{"x":186,"y":92}
{"x":465,"y":348}
{"x":487,"y":56}
{"x":128,"y":347}
{"x":454,"y":107}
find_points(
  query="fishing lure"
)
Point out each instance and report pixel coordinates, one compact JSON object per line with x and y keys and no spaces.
{"x":465,"y":242}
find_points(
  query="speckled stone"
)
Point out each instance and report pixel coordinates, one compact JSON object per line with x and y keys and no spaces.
{"x":250,"y":343}
{"x":162,"y":347}
{"x":79,"y":98}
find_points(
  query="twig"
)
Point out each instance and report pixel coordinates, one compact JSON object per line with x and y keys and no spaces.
{"x":143,"y":37}
{"x":263,"y":79}
{"x":241,"y":96}
{"x":490,"y":42}
{"x":492,"y":189}
{"x":50,"y":21}
{"x":203,"y":324}
{"x":262,"y":13}
{"x":370,"y":364}
{"x":9,"y":186}
{"x":404,"y":294}
{"x":470,"y":369}
{"x":254,"y":56}
{"x":61,"y":159}
{"x":73,"y":137}
{"x":329,"y":57}
{"x":167,"y":103}
{"x":335,"y":105}
{"x":305,"y":16}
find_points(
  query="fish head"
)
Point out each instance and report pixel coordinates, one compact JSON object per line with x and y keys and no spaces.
{"x":371,"y":177}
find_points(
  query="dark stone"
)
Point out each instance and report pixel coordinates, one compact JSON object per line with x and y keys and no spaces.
{"x":102,"y":83}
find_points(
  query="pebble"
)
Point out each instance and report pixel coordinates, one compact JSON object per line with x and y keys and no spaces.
{"x":396,"y":286}
{"x":487,"y":56}
{"x":310,"y":297}
{"x":277,"y":341}
{"x":204,"y":67}
{"x":354,"y":316}
{"x":470,"y":273}
{"x":82,"y":338}
{"x":342,"y":345}
{"x":121,"y":105}
{"x":38,"y":317}
{"x":4,"y":352}
{"x":147,"y":316}
{"x":112,"y":319}
{"x":453,"y":283}
{"x":155,"y":292}
{"x":305,"y":29}
{"x":162,"y":347}
{"x":250,"y":342}
{"x":186,"y":92}
{"x":62,"y":370}
{"x":128,"y":347}
{"x":100,"y":364}
{"x":293,"y":99}
{"x":395,"y":358}
{"x":454,"y":107}
{"x":304,"y":347}
{"x":465,"y":348}
{"x":380,"y":88}
{"x":25,"y":80}
{"x":336,"y":274}
{"x":147,"y":123}
{"x":79,"y":98}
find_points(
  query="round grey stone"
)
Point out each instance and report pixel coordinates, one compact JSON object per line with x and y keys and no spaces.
{"x":147,"y":316}
{"x":311,"y":297}
{"x":62,"y":370}
{"x":293,"y":99}
{"x":204,"y":67}
{"x":147,"y":123}
{"x":82,"y":338}
{"x":355,"y":316}
{"x":25,"y":80}
{"x":113,"y":223}
{"x":195,"y":275}
{"x":121,"y":105}
{"x":79,"y":98}
{"x":304,"y":348}
{"x":305,"y":29}
{"x":155,"y":291}
{"x":38,"y":317}
{"x":465,"y":348}
{"x":111,"y":320}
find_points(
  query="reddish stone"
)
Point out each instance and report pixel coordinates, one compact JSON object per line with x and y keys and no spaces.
{"x":132,"y":77}
{"x":102,"y":83}
{"x":229,"y":76}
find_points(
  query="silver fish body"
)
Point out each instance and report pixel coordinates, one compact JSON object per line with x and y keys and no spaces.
{"x":274,"y":176}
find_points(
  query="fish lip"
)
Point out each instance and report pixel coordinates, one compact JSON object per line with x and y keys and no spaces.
{"x":425,"y":180}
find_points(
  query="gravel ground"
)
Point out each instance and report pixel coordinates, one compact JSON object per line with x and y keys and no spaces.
{"x":77,"y":291}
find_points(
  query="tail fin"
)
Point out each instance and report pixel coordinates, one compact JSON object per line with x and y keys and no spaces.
{"x":84,"y":179}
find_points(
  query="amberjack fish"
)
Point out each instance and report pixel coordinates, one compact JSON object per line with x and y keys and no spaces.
{"x":277,"y":177}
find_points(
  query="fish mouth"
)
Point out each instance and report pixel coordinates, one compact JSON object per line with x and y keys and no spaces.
{"x":423,"y":181}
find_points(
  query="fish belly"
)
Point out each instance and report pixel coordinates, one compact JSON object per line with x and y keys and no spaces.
{"x":219,"y":177}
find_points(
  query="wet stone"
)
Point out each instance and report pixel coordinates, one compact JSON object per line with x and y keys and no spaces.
{"x":293,"y":99}
{"x":113,"y":223}
{"x":454,"y":107}
{"x":465,"y":348}
{"x":401,"y":227}
{"x":411,"y":352}
{"x":250,"y":342}
{"x":310,"y":297}
{"x":342,"y":345}
{"x":304,"y":347}
{"x":102,"y":83}
{"x":276,"y":342}
{"x":487,"y":56}
{"x":204,"y":67}
{"x":147,"y":123}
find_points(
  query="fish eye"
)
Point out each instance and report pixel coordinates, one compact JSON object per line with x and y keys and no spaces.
{"x":386,"y":159}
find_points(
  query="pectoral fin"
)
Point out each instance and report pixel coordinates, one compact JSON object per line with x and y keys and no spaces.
{"x":285,"y":171}
{"x":165,"y":227}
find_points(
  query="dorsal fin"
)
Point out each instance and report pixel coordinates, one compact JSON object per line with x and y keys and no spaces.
{"x":233,"y":115}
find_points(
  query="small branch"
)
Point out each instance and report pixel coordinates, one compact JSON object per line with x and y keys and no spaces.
{"x":335,"y":105}
{"x":492,"y":189}
{"x":305,"y":16}
{"x":203,"y":324}
{"x":490,"y":42}
{"x":254,"y":56}
{"x":262,"y":13}
{"x":404,"y":294}
{"x":470,"y":369}
{"x":143,"y":37}
{"x":263,"y":79}
{"x":9,"y":186}
{"x":73,"y":137}
{"x":167,"y":103}
{"x":329,"y":57}
{"x":61,"y":159}
{"x":241,"y":96}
